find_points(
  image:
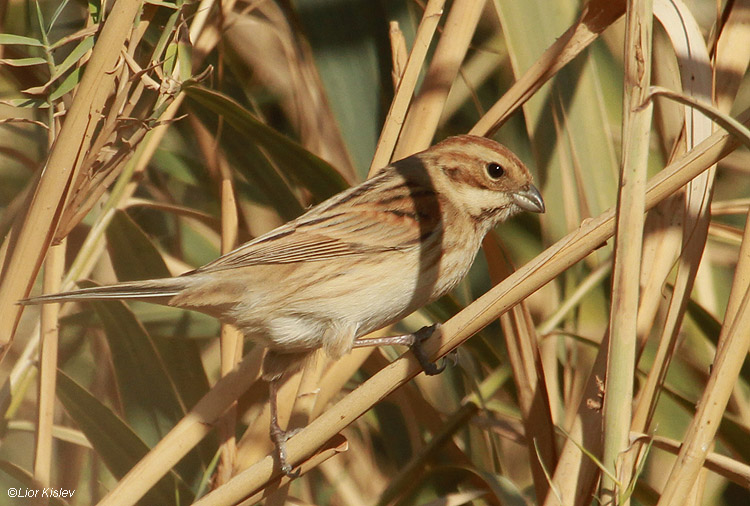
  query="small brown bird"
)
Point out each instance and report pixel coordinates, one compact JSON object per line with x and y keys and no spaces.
{"x":359,"y":261}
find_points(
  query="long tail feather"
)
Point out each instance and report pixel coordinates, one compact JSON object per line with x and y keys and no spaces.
{"x":146,"y":290}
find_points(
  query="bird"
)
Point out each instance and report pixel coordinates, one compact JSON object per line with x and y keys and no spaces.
{"x":355,"y":263}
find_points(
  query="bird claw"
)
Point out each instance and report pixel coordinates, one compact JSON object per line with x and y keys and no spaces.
{"x":287,"y":470}
{"x":280,"y":437}
{"x":420,"y":336}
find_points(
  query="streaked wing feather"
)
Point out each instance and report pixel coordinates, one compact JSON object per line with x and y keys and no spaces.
{"x":300,"y":246}
{"x":350,"y":223}
{"x":285,"y":250}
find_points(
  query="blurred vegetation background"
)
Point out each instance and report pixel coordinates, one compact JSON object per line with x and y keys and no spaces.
{"x":222,"y":120}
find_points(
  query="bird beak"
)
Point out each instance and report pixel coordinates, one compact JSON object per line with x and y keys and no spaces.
{"x":529,"y":199}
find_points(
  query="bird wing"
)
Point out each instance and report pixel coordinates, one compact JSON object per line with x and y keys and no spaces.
{"x":355,"y":222}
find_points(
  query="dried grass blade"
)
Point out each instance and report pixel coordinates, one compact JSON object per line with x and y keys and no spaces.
{"x":732,"y":55}
{"x":733,"y":470}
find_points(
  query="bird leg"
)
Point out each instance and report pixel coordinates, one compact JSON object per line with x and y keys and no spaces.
{"x":414,"y":342}
{"x":279,"y":436}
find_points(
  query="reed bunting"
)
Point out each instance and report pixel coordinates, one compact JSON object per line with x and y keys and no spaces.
{"x":359,"y":261}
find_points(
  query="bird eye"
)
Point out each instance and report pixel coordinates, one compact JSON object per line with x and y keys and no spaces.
{"x":495,"y":170}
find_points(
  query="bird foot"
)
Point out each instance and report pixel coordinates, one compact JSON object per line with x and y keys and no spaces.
{"x":420,"y":336}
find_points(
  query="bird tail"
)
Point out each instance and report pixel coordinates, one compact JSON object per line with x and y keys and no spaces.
{"x":149,"y":290}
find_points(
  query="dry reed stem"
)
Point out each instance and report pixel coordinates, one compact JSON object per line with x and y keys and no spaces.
{"x":620,"y":374}
{"x":733,"y":58}
{"x":661,"y":246}
{"x":732,"y":55}
{"x":596,"y":16}
{"x":521,"y":342}
{"x":394,"y":120}
{"x":91,"y":249}
{"x":336,"y":377}
{"x":741,"y":280}
{"x":575,"y":201}
{"x":573,"y":476}
{"x":53,"y":269}
{"x":28,"y":246}
{"x":587,"y":284}
{"x":301,"y":406}
{"x":427,"y":107}
{"x":399,"y":53}
{"x":477,"y":69}
{"x":349,"y":490}
{"x":729,"y":468}
{"x":728,"y":90}
{"x":255,"y":443}
{"x":187,"y":433}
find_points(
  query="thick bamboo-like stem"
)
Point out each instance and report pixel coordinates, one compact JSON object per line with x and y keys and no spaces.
{"x":566,"y":252}
{"x":30,"y":239}
{"x":637,"y":112}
